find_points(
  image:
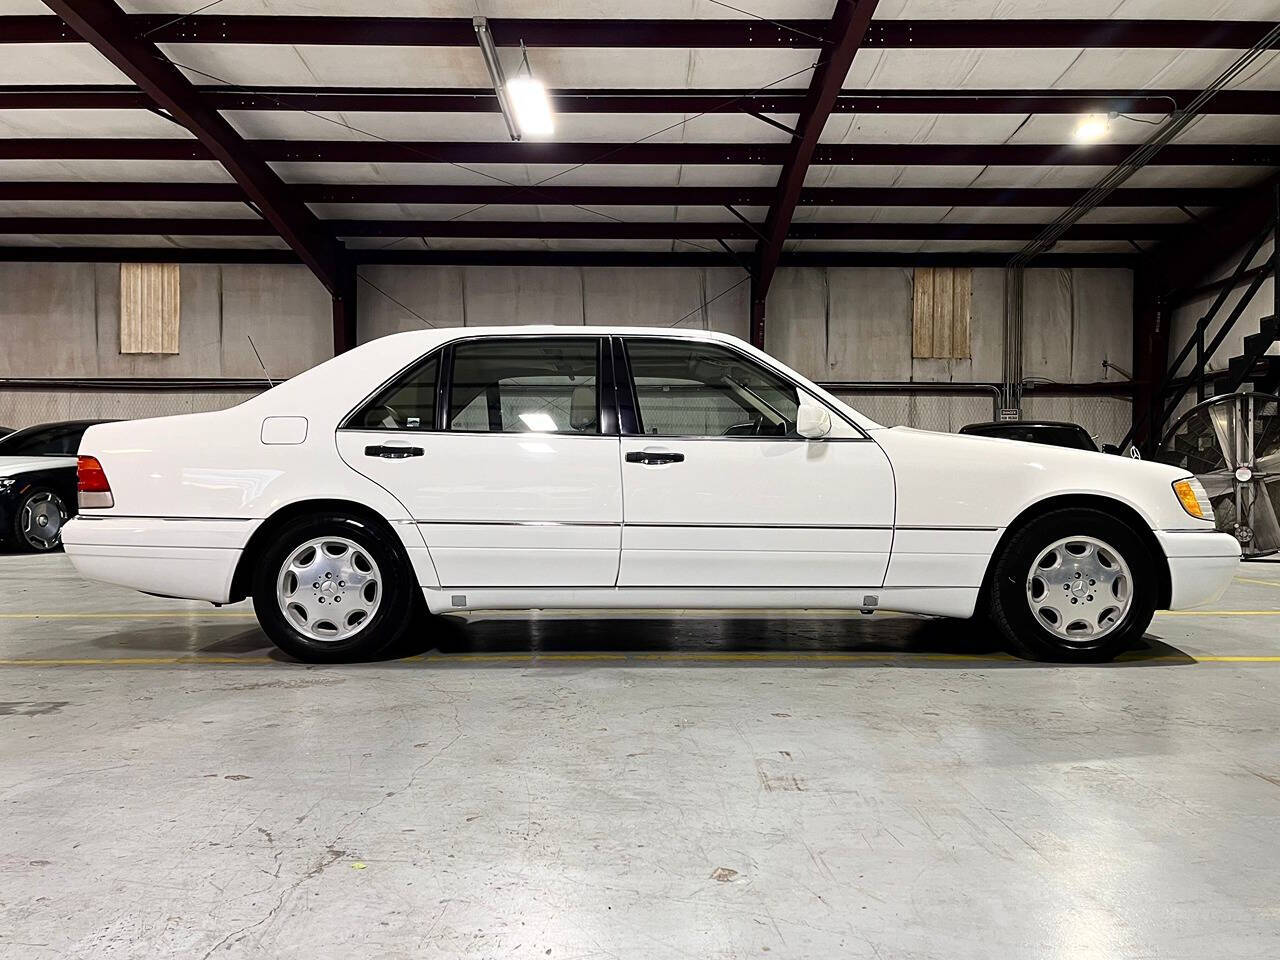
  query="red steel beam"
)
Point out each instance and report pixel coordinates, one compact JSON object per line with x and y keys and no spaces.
{"x":581,"y":229}
{"x":551,"y":195}
{"x":526,"y":152}
{"x":656,"y":101}
{"x":670,"y":33}
{"x":544,"y":258}
{"x":848,"y":28}
{"x":116,"y":37}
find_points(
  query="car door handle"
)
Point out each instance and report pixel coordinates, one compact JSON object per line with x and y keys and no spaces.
{"x":652,"y":457}
{"x":390,"y":452}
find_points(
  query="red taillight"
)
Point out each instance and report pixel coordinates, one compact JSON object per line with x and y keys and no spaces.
{"x":91,"y":481}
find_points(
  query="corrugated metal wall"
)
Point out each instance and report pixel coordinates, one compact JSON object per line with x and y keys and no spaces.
{"x":832,"y":324}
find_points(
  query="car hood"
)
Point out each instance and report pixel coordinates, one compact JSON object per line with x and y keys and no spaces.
{"x":9,"y":466}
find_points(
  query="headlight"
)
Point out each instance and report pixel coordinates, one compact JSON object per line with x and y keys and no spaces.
{"x":1193,"y":498}
{"x":7,"y":482}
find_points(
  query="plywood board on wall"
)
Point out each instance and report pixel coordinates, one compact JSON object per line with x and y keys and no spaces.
{"x":940,"y":312}
{"x":150,"y":298}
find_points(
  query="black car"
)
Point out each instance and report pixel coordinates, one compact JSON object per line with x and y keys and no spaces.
{"x":1050,"y":432}
{"x":38,"y":483}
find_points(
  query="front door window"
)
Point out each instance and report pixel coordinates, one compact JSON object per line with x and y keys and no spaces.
{"x":705,"y":390}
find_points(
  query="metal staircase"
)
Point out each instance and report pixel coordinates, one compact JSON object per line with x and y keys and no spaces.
{"x":1254,"y":365}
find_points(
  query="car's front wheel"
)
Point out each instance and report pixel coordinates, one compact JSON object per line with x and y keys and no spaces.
{"x":1076,"y":585}
{"x":333,"y":588}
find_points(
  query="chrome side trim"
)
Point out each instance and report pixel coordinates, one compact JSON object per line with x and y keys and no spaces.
{"x":138,"y":516}
{"x":517,"y":523}
{"x":765,"y":526}
{"x":698,"y":526}
{"x":963,"y":529}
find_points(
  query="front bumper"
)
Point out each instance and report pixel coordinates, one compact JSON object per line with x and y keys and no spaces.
{"x":188,"y":559}
{"x":1201,"y":565}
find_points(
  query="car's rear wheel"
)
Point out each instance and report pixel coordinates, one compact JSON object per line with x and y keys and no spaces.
{"x":1076,"y":585}
{"x":333,"y":588}
{"x":38,"y":520}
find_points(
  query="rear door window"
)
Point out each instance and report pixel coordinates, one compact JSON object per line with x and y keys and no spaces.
{"x":526,"y":385}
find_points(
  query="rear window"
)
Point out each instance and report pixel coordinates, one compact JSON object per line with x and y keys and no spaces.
{"x":408,"y":403}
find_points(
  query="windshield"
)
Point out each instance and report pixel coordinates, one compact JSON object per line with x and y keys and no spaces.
{"x":49,"y":440}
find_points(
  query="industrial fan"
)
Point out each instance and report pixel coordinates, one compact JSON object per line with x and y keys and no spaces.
{"x":1232,"y":443}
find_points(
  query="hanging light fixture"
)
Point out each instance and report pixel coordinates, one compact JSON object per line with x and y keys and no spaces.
{"x":1093,"y":127}
{"x":523,"y":99}
{"x":529,"y":100}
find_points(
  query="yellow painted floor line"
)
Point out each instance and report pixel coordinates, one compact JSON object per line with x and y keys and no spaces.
{"x":139,"y":615}
{"x":1265,"y":583}
{"x":669,"y":657}
{"x":1218,"y":613}
{"x":249,"y":615}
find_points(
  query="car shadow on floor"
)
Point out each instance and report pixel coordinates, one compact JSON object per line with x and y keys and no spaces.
{"x":503,"y":640}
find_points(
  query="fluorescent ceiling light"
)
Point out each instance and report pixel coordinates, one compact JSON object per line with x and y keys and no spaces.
{"x":531,"y":105}
{"x":1092,"y":128}
{"x":539,"y":422}
{"x":523,"y":99}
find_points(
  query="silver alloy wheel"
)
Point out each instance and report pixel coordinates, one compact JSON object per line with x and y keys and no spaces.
{"x":329,"y":589}
{"x":1080,"y":588}
{"x":42,"y":519}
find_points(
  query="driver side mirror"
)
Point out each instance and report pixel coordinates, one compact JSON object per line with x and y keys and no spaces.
{"x":813,"y":420}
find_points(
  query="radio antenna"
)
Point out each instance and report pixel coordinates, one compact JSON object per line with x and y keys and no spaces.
{"x":260,"y":363}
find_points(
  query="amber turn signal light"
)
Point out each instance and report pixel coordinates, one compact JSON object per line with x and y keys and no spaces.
{"x":1193,"y":498}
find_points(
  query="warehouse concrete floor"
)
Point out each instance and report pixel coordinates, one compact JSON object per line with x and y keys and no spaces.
{"x":684,"y":786}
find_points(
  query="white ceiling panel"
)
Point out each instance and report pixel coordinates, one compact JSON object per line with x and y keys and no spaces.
{"x":854,"y":246}
{"x":871,"y":214}
{"x":704,"y":9}
{"x":139,"y":240}
{"x":1137,"y":215}
{"x":883,"y":176}
{"x":708,"y":175}
{"x":957,"y":69}
{"x":1060,"y":128}
{"x":1094,"y":246}
{"x":1082,"y":177}
{"x":229,"y":243}
{"x":489,"y":127}
{"x":1197,"y":176}
{"x":920,"y":128}
{"x":705,"y":214}
{"x":117,"y":124}
{"x":1067,"y":9}
{"x":1158,"y":68}
{"x":1002,"y":214}
{"x":1222,"y":128}
{"x":570,"y":9}
{"x":463,"y":67}
{"x":187,"y":171}
{"x":124,"y":208}
{"x":61,"y":63}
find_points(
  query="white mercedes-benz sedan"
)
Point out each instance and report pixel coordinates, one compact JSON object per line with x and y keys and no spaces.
{"x":586,"y":467}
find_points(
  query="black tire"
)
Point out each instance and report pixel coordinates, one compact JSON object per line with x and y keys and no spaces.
{"x":399,"y":597}
{"x":1011,"y":610}
{"x":18,"y":532}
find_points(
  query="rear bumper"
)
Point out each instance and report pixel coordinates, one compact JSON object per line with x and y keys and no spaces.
{"x":1201,"y":565}
{"x":189,"y":559}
